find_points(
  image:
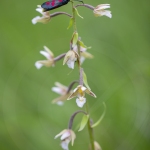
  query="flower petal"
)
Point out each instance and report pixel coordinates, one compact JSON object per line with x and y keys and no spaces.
{"x":65,"y":135}
{"x":59,"y":134}
{"x":102,"y":6}
{"x":70,"y":64}
{"x":64,"y":144}
{"x":60,"y":103}
{"x":73,"y":136}
{"x":108,"y":13}
{"x":35,"y":19}
{"x":49,"y":51}
{"x":57,"y":90}
{"x":90,"y":93}
{"x":81,"y":101}
{"x":61,"y":86}
{"x":38,"y":65}
{"x":47,"y":55}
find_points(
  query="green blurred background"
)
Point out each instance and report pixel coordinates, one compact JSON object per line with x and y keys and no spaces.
{"x":119,"y":75}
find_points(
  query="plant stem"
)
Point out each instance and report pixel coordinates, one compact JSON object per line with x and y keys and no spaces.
{"x":74,"y":19}
{"x":81,"y":78}
{"x":73,"y":116}
{"x":90,"y":130}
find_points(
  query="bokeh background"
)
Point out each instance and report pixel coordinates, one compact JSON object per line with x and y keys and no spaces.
{"x":119,"y":75}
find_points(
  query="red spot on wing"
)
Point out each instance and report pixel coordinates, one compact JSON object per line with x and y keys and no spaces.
{"x":53,"y":3}
{"x":48,"y":3}
{"x":60,"y":0}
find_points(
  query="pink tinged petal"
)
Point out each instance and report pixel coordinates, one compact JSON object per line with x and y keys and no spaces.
{"x":61,"y":133}
{"x":82,"y":49}
{"x":57,"y":90}
{"x":64,"y":144}
{"x":81,"y":101}
{"x":65,"y":135}
{"x":45,"y":54}
{"x":38,"y":65}
{"x":35,"y":20}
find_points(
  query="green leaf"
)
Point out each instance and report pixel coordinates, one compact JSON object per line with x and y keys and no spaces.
{"x":82,"y":44}
{"x":78,"y":13}
{"x":75,"y":39}
{"x":85,"y":80}
{"x":83,"y":122}
{"x":100,"y":119}
{"x":70,"y":23}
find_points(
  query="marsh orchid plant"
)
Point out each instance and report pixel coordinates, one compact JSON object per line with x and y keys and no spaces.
{"x":75,"y":56}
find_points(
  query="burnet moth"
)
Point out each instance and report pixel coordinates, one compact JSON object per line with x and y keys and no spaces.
{"x":52,"y":4}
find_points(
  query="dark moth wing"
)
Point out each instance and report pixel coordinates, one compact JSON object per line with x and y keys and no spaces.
{"x":49,"y":5}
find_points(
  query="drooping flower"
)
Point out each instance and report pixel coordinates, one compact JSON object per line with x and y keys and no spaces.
{"x":67,"y":135}
{"x":70,"y":58}
{"x":50,"y":58}
{"x":45,"y":16}
{"x":79,"y":92}
{"x":63,"y":91}
{"x":84,"y":53}
{"x":100,"y":10}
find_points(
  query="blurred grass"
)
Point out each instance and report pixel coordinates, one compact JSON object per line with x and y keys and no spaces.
{"x":119,"y":75}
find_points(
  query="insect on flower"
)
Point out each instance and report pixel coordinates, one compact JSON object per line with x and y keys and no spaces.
{"x":52,"y":4}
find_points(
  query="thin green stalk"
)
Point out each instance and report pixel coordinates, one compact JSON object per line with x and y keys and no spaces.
{"x":74,"y":19}
{"x":90,"y":130}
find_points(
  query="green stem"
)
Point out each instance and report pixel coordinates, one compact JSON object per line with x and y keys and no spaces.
{"x":74,"y":19}
{"x":90,"y":130}
{"x":87,"y":111}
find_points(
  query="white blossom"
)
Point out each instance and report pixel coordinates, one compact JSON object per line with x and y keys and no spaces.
{"x":67,"y":135}
{"x":79,"y":92}
{"x":45,"y":18}
{"x":100,"y":10}
{"x":50,"y":59}
{"x":70,"y":58}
